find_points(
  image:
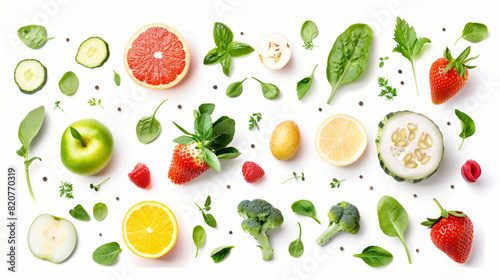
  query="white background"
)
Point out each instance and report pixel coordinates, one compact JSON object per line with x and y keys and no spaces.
{"x":116,"y":22}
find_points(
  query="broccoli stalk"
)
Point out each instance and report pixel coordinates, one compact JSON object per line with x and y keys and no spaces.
{"x":343,"y":217}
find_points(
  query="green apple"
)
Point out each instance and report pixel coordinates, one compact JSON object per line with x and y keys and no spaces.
{"x":86,"y":147}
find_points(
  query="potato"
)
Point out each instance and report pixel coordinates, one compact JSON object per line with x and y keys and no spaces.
{"x":285,"y":140}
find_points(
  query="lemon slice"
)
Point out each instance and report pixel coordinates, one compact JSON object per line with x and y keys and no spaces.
{"x":340,"y":140}
{"x":149,"y":229}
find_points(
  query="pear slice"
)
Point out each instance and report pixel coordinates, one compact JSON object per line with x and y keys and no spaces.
{"x":274,"y":51}
{"x":52,"y":238}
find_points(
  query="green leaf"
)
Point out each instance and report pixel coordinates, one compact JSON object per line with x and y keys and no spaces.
{"x":223,"y":134}
{"x":75,"y":133}
{"x":33,"y":36}
{"x":223,"y":36}
{"x":199,"y":237}
{"x":296,"y":247}
{"x":212,"y":57}
{"x":27,"y":163}
{"x":79,"y":213}
{"x":219,"y":253}
{"x":304,"y":85}
{"x":474,"y":32}
{"x":235,"y":89}
{"x":183,"y":130}
{"x":207,"y":108}
{"x":226,"y":63}
{"x":106,"y":254}
{"x":30,"y":126}
{"x":203,"y":126}
{"x":227,"y":153}
{"x":269,"y":90}
{"x":66,"y":189}
{"x":467,"y":124}
{"x":375,"y":256}
{"x":117,"y":78}
{"x":22,"y":151}
{"x":100,"y":211}
{"x":69,"y":83}
{"x":211,"y":159}
{"x":309,"y":31}
{"x":209,"y":219}
{"x":184,"y":140}
{"x":236,"y":49}
{"x":208,"y":201}
{"x":219,"y":120}
{"x":306,"y":208}
{"x":148,"y":128}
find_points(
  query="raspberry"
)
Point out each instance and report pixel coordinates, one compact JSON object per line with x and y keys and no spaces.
{"x":252,"y":172}
{"x":140,"y":176}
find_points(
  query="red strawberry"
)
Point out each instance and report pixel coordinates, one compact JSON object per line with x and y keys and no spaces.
{"x":140,"y":176}
{"x":187,"y":164}
{"x":452,"y":233}
{"x":252,"y":172}
{"x":448,"y":76}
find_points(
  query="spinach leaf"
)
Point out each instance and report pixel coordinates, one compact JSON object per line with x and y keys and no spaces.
{"x":308,"y":32}
{"x":199,"y":237}
{"x":79,"y":213}
{"x":349,"y":56}
{"x":33,"y":36}
{"x":203,"y":126}
{"x":467,"y":124}
{"x":106,"y":254}
{"x":69,"y":83}
{"x":100,"y":211}
{"x":223,"y":134}
{"x":236,"y":49}
{"x":269,"y":90}
{"x":393,"y":219}
{"x":474,"y":32}
{"x":227,"y":153}
{"x":148,"y":128}
{"x":296,"y":247}
{"x":219,"y":253}
{"x":304,"y":85}
{"x":375,"y":256}
{"x":235,"y":89}
{"x":117,"y":78}
{"x":209,"y":219}
{"x":306,"y":208}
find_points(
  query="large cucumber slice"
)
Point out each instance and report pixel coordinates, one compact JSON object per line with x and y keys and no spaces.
{"x":30,"y":76}
{"x":93,"y":52}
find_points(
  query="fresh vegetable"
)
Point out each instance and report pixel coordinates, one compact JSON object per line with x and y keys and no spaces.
{"x":252,"y":172}
{"x":296,"y":247}
{"x":452,"y":232}
{"x":69,"y":83}
{"x":100,"y":211}
{"x":140,"y":176}
{"x":196,"y":153}
{"x":33,"y":36}
{"x":93,"y":102}
{"x":375,"y":256}
{"x":117,"y":78}
{"x":304,"y":85}
{"x":79,"y":213}
{"x":296,"y":177}
{"x":285,"y":140}
{"x":235,"y":89}
{"x":387,"y":91}
{"x":474,"y":32}
{"x":254,"y":121}
{"x":220,"y":253}
{"x":410,"y":146}
{"x":57,"y":106}
{"x":260,"y":216}
{"x":106,"y":254}
{"x":199,"y":237}
{"x":66,"y":189}
{"x":393,"y":219}
{"x":30,"y":76}
{"x":28,"y":129}
{"x":349,"y":56}
{"x":471,"y":171}
{"x":467,"y":124}
{"x":270,"y":91}
{"x":448,"y":76}
{"x":51,"y":238}
{"x":306,"y":208}
{"x":93,"y":52}
{"x":336,"y":183}
{"x":225,"y":48}
{"x":148,"y":128}
{"x":208,"y":218}
{"x":382,"y":61}
{"x":343,"y":217}
{"x":274,"y":51}
{"x":96,"y":187}
{"x":308,"y":32}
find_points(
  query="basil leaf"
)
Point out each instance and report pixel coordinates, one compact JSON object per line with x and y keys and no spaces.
{"x":209,"y":219}
{"x":79,"y":213}
{"x":211,"y":159}
{"x":148,"y":128}
{"x":226,"y":64}
{"x":100,"y":211}
{"x":236,"y":49}
{"x":223,"y":36}
{"x":206,"y":108}
{"x":117,"y":78}
{"x":199,"y":237}
{"x":203,"y":126}
{"x":219,"y":253}
{"x":223,"y":134}
{"x":306,"y":208}
{"x":69,"y":83}
{"x":33,"y":36}
{"x":106,"y":254}
{"x":309,"y":31}
{"x":296,"y":247}
{"x":184,"y":140}
{"x":474,"y":32}
{"x":30,"y":126}
{"x":183,"y":130}
{"x":212,"y":57}
{"x":304,"y":85}
{"x":375,"y":256}
{"x":219,"y":120}
{"x":235,"y":89}
{"x":227,"y":153}
{"x":467,"y":124}
{"x":269,"y":90}
{"x":393,"y":219}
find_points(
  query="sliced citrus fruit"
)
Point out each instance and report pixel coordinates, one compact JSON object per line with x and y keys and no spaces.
{"x":149,"y":229}
{"x":157,"y":56}
{"x":340,"y":140}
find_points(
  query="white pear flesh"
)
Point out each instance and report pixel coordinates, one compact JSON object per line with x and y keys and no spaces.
{"x":52,"y":238}
{"x":274,"y":51}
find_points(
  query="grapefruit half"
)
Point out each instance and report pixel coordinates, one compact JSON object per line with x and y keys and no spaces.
{"x":157,"y":56}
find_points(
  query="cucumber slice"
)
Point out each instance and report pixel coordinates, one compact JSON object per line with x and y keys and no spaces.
{"x":93,"y":52}
{"x":30,"y":76}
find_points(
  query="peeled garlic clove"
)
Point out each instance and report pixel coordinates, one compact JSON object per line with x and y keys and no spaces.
{"x":274,"y":51}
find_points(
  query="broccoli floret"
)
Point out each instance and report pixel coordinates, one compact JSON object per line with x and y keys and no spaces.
{"x":260,"y":216}
{"x":343,"y":217}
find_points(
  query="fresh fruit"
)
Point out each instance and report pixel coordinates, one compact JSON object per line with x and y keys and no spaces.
{"x":252,"y":172}
{"x":51,"y":238}
{"x":149,"y":229}
{"x":187,"y":164}
{"x":274,"y":51}
{"x":340,"y":140}
{"x":410,"y":146}
{"x":91,"y":152}
{"x":140,"y":176}
{"x":285,"y":140}
{"x":157,"y":56}
{"x":452,"y":233}
{"x":471,"y":171}
{"x":448,"y":76}
{"x":93,"y":52}
{"x":30,"y":76}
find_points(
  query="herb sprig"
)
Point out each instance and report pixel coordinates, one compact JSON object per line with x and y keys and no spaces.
{"x":66,"y":190}
{"x":382,"y":61}
{"x":93,"y":102}
{"x":467,"y":124}
{"x":296,"y":177}
{"x":387,"y":91}
{"x":253,"y":122}
{"x":336,"y":183}
{"x":209,"y":218}
{"x":57,"y":106}
{"x":96,"y":187}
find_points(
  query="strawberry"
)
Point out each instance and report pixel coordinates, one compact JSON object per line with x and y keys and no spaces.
{"x":452,"y":233}
{"x":448,"y":76}
{"x":140,"y":176}
{"x":252,"y":172}
{"x":187,"y":164}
